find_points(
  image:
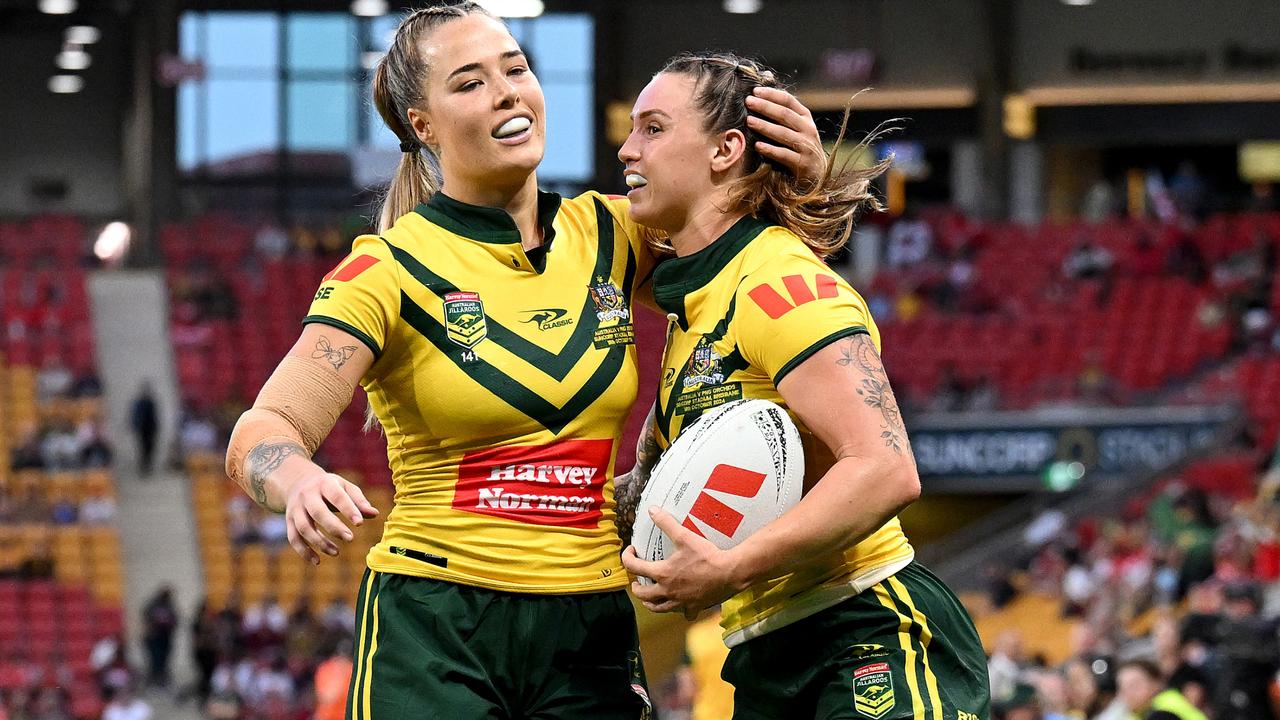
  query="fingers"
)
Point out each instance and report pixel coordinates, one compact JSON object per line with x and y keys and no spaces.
{"x":779,"y":134}
{"x":338,"y":496}
{"x":663,"y":607}
{"x":668,"y":524}
{"x":304,"y":521}
{"x":784,"y":109}
{"x":783,"y":156}
{"x":634,"y":565}
{"x":366,"y":507}
{"x":300,"y":547}
{"x":323,"y":517}
{"x":782,"y":97}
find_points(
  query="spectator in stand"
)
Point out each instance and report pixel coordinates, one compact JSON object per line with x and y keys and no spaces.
{"x":159,"y":621}
{"x":331,"y":681}
{"x":1187,"y":190}
{"x":1087,"y":261}
{"x":87,"y":384}
{"x":25,"y":454}
{"x":197,"y":433}
{"x":204,"y":648}
{"x":1004,"y":668}
{"x":909,"y":242}
{"x":92,"y":444}
{"x":1249,"y":656}
{"x":1093,"y":384}
{"x":97,"y":508}
{"x":53,"y":380}
{"x":64,"y":511}
{"x":59,"y":447}
{"x":1186,"y":260}
{"x":126,"y":705}
{"x":144,"y":419}
{"x":1100,"y":202}
{"x":1145,"y":694}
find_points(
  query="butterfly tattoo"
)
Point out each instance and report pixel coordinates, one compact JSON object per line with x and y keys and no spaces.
{"x":337,"y":357}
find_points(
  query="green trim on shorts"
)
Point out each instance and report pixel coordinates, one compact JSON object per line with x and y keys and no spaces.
{"x":903,"y":648}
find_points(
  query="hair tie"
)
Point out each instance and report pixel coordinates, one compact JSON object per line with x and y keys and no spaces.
{"x":408,"y":146}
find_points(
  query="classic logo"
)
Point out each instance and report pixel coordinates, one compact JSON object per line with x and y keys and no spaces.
{"x":610,"y":303}
{"x":548,"y":318}
{"x":703,"y":367}
{"x":558,"y":484}
{"x":464,"y":318}
{"x":873,"y":690}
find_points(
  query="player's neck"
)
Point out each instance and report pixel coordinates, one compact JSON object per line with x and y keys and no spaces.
{"x":705,"y":224}
{"x":520,"y":201}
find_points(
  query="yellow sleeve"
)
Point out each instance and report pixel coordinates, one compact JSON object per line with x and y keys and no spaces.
{"x":792,"y":307}
{"x":361,"y":295}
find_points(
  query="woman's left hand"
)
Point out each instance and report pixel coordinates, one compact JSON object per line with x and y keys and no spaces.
{"x":795,"y":144}
{"x":694,"y":577}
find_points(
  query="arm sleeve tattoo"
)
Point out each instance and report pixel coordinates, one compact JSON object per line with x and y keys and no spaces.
{"x":628,"y":487}
{"x":859,"y":354}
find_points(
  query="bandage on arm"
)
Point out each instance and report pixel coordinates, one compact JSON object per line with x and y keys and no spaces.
{"x":295,"y":411}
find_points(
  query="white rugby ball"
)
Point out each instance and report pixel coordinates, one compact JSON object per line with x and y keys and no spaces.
{"x":735,"y":470}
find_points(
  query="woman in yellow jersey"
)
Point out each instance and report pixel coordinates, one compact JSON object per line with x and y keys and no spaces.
{"x":490,"y":325}
{"x":825,"y":611}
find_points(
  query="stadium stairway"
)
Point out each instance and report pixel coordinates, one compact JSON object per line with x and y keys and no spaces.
{"x":131,"y":322}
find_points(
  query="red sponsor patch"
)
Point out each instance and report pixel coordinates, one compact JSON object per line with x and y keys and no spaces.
{"x":560,"y":484}
{"x":797,"y":287}
{"x":347,"y":271}
{"x":873,"y":668}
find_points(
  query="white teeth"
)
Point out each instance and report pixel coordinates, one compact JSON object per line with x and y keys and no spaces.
{"x":636,"y":180}
{"x":512,"y":126}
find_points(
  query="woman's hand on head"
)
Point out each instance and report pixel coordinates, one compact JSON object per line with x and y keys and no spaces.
{"x":317,"y":513}
{"x":792,"y":136}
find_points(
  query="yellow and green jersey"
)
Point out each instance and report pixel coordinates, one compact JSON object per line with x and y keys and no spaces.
{"x":749,"y":308}
{"x":502,"y":379}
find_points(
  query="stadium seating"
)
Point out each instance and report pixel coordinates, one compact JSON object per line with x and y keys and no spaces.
{"x":61,"y":585}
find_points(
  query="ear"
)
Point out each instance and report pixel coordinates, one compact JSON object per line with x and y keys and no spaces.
{"x":420,"y":123}
{"x":730,"y":149}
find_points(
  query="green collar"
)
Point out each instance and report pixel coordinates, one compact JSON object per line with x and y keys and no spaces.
{"x":677,"y":277}
{"x":487,"y":224}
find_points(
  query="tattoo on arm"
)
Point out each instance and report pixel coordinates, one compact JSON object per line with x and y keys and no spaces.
{"x":262,"y":460}
{"x":627,"y":493}
{"x":859,"y":353}
{"x":337,"y":357}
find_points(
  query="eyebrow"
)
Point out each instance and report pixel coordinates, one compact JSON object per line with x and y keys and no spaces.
{"x":476,"y":66}
{"x":647,"y":113}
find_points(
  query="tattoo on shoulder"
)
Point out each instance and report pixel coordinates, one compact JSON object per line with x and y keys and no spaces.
{"x":262,"y":460}
{"x":337,"y":357}
{"x":859,"y":353}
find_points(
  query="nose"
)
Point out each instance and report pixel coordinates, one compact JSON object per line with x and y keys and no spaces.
{"x":507,"y":96}
{"x":629,"y":152}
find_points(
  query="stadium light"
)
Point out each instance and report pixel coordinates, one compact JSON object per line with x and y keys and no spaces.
{"x":73,"y":58}
{"x":113,"y":242}
{"x":1078,"y":3}
{"x":512,"y":8}
{"x":368,"y":8}
{"x":66,"y":84}
{"x":82,"y":35}
{"x":57,"y":7}
{"x":743,"y":7}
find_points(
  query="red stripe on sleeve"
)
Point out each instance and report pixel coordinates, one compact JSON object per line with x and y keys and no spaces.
{"x":355,"y":267}
{"x":798,"y":289}
{"x":770,"y":301}
{"x":827,"y":287}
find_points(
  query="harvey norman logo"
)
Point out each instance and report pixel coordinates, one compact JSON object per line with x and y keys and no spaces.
{"x":557,"y":484}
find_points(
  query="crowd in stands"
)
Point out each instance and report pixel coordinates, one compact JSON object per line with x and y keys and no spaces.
{"x":1175,"y":599}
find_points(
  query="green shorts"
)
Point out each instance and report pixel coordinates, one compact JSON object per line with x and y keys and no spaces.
{"x":903,"y":648}
{"x":426,"y":649}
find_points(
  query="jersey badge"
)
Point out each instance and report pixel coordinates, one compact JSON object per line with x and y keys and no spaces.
{"x":610,"y":304}
{"x":703,"y":367}
{"x":464,"y":318}
{"x":873,"y":690}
